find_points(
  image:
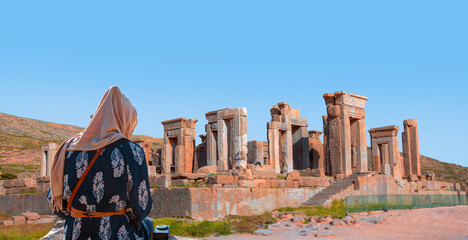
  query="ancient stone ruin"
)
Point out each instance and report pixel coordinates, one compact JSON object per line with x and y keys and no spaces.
{"x":288,"y":143}
{"x":293,"y":167}
{"x":345,"y":134}
{"x":48,"y":154}
{"x":226,"y":138}
{"x":179,"y":145}
{"x":410,"y":139}
{"x":385,"y":151}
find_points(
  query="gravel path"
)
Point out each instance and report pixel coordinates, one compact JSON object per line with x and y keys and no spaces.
{"x":428,"y":223}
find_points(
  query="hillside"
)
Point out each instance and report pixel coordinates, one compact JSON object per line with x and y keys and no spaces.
{"x":21,"y":140}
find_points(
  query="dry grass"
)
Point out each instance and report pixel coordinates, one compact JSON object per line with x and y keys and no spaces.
{"x":25,"y":232}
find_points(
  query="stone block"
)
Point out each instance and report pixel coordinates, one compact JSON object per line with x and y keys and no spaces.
{"x":293,"y":176}
{"x":265,"y":184}
{"x":207,"y":170}
{"x":9,"y":183}
{"x":314,"y":182}
{"x":163,"y":181}
{"x":190,"y":176}
{"x":6,"y":223}
{"x":31,"y":215}
{"x":263,"y":172}
{"x":289,"y":184}
{"x":223,"y":179}
{"x":244,"y":174}
{"x":17,"y":220}
{"x":46,"y":220}
{"x":333,"y":111}
{"x":180,"y":183}
{"x":246,"y":183}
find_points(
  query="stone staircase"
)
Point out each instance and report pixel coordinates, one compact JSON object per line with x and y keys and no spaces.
{"x":327,"y":195}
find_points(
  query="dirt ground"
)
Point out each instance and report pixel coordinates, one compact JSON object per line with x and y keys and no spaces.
{"x":428,"y":223}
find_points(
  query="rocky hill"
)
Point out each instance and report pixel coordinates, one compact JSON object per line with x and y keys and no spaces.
{"x":21,"y":140}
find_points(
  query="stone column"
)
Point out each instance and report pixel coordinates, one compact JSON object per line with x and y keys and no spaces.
{"x":273,"y":136}
{"x":48,"y":154}
{"x":240,"y":141}
{"x":222,"y":146}
{"x":411,"y":148}
{"x":211,"y":151}
{"x":362,"y":147}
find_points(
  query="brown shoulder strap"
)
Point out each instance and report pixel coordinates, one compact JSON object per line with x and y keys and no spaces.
{"x":78,"y":185}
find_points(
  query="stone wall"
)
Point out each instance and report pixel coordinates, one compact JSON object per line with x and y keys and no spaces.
{"x":12,"y":204}
{"x":216,"y":203}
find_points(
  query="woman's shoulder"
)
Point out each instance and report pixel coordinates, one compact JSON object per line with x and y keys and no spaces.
{"x":129,"y":147}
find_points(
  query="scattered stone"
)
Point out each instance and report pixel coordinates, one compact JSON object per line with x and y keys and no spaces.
{"x":312,"y":219}
{"x":347,"y":219}
{"x":18,"y":220}
{"x":375,"y":220}
{"x":338,"y":222}
{"x":323,"y":219}
{"x":324,"y":234}
{"x":56,"y":233}
{"x":46,"y":220}
{"x":298,"y":220}
{"x":285,"y":216}
{"x":356,"y":222}
{"x":31,"y":215}
{"x":263,"y":232}
{"x":6,"y":223}
{"x":163,"y":181}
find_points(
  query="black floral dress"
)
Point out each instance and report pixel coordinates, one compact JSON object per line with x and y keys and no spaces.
{"x":117,"y":180}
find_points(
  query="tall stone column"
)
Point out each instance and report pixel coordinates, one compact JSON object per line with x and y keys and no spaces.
{"x":411,"y":149}
{"x":211,"y":151}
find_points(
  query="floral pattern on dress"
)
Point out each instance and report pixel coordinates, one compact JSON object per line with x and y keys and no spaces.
{"x":89,"y":208}
{"x":81,"y":164}
{"x":137,"y":238}
{"x":119,"y":204}
{"x":117,"y":162}
{"x":122,"y":234}
{"x":105,"y":228}
{"x":69,"y":154}
{"x":143,"y":195}
{"x":138,"y":154}
{"x":98,"y":186}
{"x":66,"y":188}
{"x":76,"y":228}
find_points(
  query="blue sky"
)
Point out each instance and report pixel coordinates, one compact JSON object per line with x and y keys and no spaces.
{"x":185,"y":58}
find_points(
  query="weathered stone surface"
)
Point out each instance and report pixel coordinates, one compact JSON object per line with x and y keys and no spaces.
{"x":293,"y":176}
{"x":262,"y":172}
{"x":316,"y":154}
{"x":163,"y":181}
{"x":180,"y":183}
{"x":17,"y":220}
{"x":263,"y":232}
{"x":314,"y":182}
{"x":338,"y":222}
{"x":207,"y":170}
{"x":190,"y":176}
{"x":31,"y":215}
{"x":298,"y":220}
{"x":307,"y":232}
{"x":19,"y":203}
{"x":48,"y":153}
{"x":6,"y":223}
{"x":243,"y":174}
{"x":223,"y":179}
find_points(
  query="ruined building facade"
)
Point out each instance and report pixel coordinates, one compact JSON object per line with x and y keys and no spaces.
{"x":226,"y":138}
{"x":288,"y":143}
{"x":410,"y":144}
{"x":345,"y":134}
{"x":385,"y":151}
{"x":179,"y":145}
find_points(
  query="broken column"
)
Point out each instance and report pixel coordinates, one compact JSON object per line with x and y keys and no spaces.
{"x":226,"y":138}
{"x":411,"y":149}
{"x":385,"y":151}
{"x":179,"y":145}
{"x":345,"y":134}
{"x":316,"y":157}
{"x":48,"y":153}
{"x":288,"y":140}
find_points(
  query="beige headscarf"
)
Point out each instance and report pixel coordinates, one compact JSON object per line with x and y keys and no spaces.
{"x":115,"y":118}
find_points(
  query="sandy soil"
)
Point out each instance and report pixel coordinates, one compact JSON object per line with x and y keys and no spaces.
{"x":429,"y":223}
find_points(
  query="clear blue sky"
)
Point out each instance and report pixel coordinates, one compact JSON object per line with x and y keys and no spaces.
{"x":185,"y":58}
